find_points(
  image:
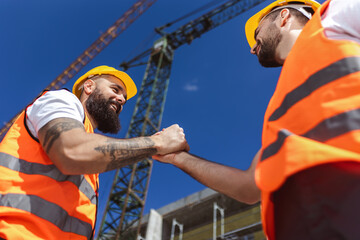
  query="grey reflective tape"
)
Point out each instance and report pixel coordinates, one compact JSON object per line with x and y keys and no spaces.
{"x":48,"y":211}
{"x":329,"y":128}
{"x":335,"y":126}
{"x":51,"y":171}
{"x":326,"y":75}
{"x":273,"y":148}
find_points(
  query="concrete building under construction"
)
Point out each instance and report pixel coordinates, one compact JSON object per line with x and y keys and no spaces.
{"x":203,"y":215}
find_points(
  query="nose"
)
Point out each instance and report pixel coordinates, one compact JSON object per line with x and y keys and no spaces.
{"x":253,"y":49}
{"x":121,"y":99}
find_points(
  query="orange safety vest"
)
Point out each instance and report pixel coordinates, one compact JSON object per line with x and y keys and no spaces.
{"x":314,"y":115}
{"x":37,"y":201}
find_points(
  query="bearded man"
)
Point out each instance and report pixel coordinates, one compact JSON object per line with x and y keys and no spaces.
{"x":50,"y":158}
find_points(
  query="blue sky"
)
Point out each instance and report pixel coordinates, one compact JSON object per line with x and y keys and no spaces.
{"x":218,"y":92}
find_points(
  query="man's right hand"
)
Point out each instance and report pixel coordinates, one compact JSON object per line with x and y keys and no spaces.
{"x":169,"y":140}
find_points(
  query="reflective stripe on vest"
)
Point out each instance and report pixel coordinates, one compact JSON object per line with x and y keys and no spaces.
{"x":40,"y":207}
{"x":328,"y":74}
{"x":324,"y":131}
{"x":51,"y":171}
{"x":61,"y":206}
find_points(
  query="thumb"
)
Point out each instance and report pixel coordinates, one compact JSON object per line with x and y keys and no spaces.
{"x":187,"y":147}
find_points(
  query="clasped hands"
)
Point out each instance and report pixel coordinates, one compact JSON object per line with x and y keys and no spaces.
{"x":170,"y":141}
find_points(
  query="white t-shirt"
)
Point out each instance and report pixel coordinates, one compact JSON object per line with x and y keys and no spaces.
{"x":341,"y":21}
{"x":52,"y":105}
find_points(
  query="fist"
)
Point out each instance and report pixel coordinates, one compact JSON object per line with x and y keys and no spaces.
{"x":171,"y":139}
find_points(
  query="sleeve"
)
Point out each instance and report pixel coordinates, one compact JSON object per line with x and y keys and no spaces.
{"x":341,"y":20}
{"x":52,"y":105}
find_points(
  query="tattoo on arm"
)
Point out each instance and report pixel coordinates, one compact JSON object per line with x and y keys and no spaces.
{"x":125,"y":152}
{"x":54,"y":128}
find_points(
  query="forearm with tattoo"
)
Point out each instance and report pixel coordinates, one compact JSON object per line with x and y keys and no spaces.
{"x":125,"y":152}
{"x":116,"y":152}
{"x":54,"y":128}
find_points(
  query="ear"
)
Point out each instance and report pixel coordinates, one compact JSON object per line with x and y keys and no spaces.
{"x":284,"y":16}
{"x":89,"y":86}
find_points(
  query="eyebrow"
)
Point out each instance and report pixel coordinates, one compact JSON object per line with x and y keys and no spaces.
{"x":117,"y":85}
{"x":120,"y":88}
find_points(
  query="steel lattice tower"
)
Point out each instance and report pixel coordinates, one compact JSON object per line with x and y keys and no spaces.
{"x":128,"y":194}
{"x":127,"y":198}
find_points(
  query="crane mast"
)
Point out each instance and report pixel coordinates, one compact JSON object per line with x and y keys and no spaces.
{"x":127,"y":197}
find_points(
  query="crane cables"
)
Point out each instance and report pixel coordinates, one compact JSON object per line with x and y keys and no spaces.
{"x":203,"y":8}
{"x":139,"y":52}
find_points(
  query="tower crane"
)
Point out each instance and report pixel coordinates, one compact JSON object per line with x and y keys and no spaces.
{"x":126,"y":201}
{"x":91,"y":52}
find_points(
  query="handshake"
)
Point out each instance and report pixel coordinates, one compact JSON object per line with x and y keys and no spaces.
{"x":168,"y":142}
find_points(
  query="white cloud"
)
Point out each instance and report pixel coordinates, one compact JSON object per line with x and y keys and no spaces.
{"x":191,"y":86}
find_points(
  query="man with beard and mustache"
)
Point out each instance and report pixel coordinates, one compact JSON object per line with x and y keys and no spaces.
{"x":50,"y":158}
{"x":307,"y":172}
{"x":99,"y":108}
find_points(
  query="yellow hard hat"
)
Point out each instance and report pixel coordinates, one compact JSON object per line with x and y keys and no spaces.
{"x":254,"y":21}
{"x":124,"y":77}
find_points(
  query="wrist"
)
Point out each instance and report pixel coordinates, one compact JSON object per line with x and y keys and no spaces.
{"x":157,"y":143}
{"x":179,"y":158}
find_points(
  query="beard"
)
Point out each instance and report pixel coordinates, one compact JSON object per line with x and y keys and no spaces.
{"x":266,"y":54}
{"x":101,"y":111}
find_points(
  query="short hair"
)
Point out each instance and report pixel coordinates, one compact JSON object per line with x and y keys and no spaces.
{"x":297,"y":14}
{"x":95,"y":77}
{"x":91,"y":77}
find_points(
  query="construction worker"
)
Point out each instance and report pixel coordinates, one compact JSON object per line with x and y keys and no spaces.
{"x":50,"y":157}
{"x":307,"y":173}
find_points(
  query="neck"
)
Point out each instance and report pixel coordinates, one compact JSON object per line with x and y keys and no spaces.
{"x":286,"y":44}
